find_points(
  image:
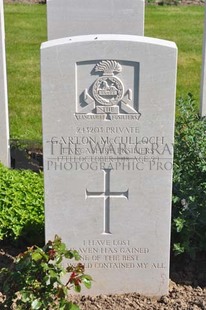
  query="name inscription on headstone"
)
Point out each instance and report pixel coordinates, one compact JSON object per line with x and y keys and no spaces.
{"x":115,"y":152}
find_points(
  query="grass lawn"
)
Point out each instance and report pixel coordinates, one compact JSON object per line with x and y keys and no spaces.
{"x":26,"y":29}
{"x":184,"y":26}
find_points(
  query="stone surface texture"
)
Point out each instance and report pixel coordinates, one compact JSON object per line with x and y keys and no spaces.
{"x":81,"y":17}
{"x":4,"y":122}
{"x":108,"y":155}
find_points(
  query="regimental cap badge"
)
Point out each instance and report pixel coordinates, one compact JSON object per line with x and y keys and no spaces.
{"x":107,"y":95}
{"x":108,"y":90}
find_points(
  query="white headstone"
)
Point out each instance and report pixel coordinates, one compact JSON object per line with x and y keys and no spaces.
{"x":79,"y":17}
{"x":108,"y":124}
{"x":4,"y":123}
{"x":203,"y":81}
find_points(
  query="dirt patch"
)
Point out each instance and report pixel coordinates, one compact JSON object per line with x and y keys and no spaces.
{"x":180,"y":297}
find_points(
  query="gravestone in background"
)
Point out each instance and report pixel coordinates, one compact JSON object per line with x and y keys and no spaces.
{"x":203,"y":81}
{"x":4,"y":122}
{"x":79,"y":17}
{"x":108,"y":125}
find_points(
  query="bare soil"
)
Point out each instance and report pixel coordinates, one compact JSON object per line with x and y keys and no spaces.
{"x":180,"y":297}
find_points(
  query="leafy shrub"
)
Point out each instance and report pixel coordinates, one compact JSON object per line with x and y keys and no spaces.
{"x":34,"y":281}
{"x":21,"y":205}
{"x":189,"y":192}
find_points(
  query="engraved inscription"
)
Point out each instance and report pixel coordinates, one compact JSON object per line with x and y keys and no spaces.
{"x":107,"y":194}
{"x":108,"y":97}
{"x":117,"y":254}
{"x":114,"y":148}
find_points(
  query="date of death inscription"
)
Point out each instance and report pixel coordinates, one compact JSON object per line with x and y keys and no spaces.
{"x":116,"y":254}
{"x":114,"y":148}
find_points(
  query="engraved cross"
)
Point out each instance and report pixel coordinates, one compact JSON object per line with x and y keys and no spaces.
{"x":107,"y":194}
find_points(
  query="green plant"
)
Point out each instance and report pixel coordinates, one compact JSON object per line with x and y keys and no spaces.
{"x":21,"y":205}
{"x":189,"y":192}
{"x":35,"y":279}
